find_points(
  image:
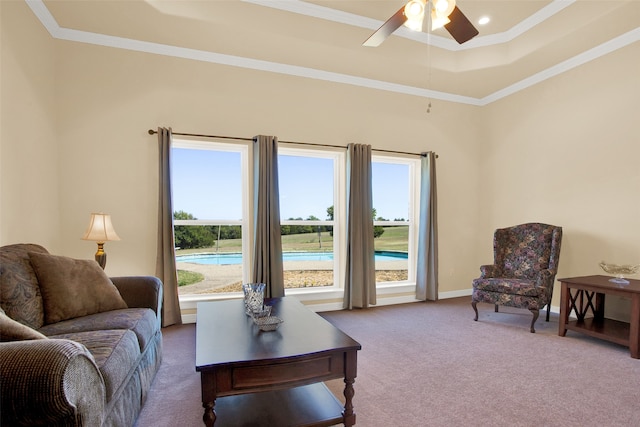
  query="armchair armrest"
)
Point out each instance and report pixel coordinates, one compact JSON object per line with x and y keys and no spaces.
{"x":544,"y":277}
{"x":546,"y":280}
{"x":50,"y":382}
{"x":140,"y":291}
{"x":488,"y":271}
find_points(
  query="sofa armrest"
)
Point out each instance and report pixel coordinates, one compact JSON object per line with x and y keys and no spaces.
{"x":140,"y":291}
{"x":50,"y":382}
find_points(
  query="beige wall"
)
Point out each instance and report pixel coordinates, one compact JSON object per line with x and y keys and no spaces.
{"x":29,"y":203}
{"x":566,"y":152}
{"x":560,"y":152}
{"x":111,"y":97}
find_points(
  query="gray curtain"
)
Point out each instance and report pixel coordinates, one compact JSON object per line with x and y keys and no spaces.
{"x":427,"y":268}
{"x":166,"y":260}
{"x":267,"y":242}
{"x":360,"y":281}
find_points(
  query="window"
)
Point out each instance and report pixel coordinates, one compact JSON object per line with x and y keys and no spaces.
{"x":210,"y":216}
{"x":394,"y":181}
{"x":309,"y":198}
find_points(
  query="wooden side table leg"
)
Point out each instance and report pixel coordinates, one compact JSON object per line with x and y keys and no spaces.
{"x":599,"y":314}
{"x":634,"y":327}
{"x":564,"y":310}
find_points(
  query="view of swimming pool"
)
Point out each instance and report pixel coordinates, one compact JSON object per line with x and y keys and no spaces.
{"x":236,"y":258}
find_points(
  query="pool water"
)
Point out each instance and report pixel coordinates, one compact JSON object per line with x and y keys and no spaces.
{"x":236,"y":258}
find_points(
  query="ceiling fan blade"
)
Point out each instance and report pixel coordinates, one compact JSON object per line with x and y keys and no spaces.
{"x":460,"y":27}
{"x":386,"y":29}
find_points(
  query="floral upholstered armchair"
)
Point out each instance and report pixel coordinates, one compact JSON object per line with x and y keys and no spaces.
{"x":524,"y":269}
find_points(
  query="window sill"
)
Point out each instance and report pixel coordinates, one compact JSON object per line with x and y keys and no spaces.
{"x":318,"y":300}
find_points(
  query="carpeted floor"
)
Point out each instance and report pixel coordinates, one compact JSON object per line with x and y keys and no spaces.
{"x":430,"y":364}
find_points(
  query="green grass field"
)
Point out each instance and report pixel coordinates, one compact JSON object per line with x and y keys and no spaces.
{"x":393,"y":239}
{"x":189,"y":277}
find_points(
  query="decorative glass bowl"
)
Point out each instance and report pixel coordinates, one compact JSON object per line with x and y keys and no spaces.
{"x":619,"y":271}
{"x":264,"y":311}
{"x":268,"y":323}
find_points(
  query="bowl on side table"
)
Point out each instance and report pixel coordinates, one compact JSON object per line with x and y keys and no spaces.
{"x":619,"y":271}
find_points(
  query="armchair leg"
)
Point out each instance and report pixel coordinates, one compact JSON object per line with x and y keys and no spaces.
{"x":496,"y":308}
{"x":536,"y":313}
{"x":473,"y":304}
{"x":548,"y":310}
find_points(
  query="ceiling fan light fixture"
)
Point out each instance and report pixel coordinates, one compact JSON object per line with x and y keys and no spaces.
{"x":414,"y":12}
{"x":441,"y":12}
{"x":438,"y":21}
{"x":443,"y":8}
{"x":414,"y":9}
{"x":415,"y":25}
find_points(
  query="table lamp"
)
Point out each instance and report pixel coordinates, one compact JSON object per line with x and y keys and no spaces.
{"x":100,"y":230}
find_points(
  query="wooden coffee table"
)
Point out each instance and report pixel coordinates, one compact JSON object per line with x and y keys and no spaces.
{"x":255,"y":378}
{"x":589,"y":296}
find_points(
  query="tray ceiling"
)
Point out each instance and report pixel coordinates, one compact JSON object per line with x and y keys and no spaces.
{"x":525,"y":42}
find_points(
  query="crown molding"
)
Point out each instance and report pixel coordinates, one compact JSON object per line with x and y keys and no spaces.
{"x":605,"y":48}
{"x":48,"y":21}
{"x":322,"y":12}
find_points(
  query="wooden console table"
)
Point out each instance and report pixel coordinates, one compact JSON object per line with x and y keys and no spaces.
{"x":589,"y":295}
{"x":251,"y":378}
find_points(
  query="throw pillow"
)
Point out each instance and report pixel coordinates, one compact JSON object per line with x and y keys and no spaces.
{"x":10,"y":330}
{"x":73,"y":288}
{"x":19,"y":291}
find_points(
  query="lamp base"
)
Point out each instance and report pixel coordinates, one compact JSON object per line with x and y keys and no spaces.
{"x":101,"y":256}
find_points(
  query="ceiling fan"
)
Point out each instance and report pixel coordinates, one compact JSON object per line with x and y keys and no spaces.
{"x":443,"y":13}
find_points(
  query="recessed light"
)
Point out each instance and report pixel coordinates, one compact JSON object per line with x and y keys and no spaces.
{"x":484,"y":20}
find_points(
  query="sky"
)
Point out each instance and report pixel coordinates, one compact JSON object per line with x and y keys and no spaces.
{"x":208,"y":185}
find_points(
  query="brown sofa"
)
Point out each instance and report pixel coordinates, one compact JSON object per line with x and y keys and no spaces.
{"x":78,"y":348}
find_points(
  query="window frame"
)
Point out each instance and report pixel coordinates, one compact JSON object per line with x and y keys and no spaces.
{"x":413,"y":220}
{"x":245,"y":223}
{"x":321,"y":297}
{"x":338,"y":156}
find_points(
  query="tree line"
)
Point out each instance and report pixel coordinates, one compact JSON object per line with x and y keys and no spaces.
{"x":204,"y":236}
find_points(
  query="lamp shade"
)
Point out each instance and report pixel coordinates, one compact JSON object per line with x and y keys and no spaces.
{"x":100,"y":229}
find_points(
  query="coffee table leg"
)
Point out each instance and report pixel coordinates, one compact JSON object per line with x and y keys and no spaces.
{"x":208,"y":385}
{"x":209,"y":416}
{"x":348,"y":415}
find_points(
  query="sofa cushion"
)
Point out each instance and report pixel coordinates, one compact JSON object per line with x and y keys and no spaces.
{"x":10,"y":330}
{"x":142,"y":321}
{"x":20,"y":294}
{"x":115,"y":351}
{"x":73,"y":288}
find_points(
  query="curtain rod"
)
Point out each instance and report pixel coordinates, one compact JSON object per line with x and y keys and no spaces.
{"x":238,"y":138}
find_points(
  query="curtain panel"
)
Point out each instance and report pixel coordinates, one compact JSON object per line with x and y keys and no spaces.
{"x":166,"y":257}
{"x":360,"y":280}
{"x":267,"y":241}
{"x":427,"y":265}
